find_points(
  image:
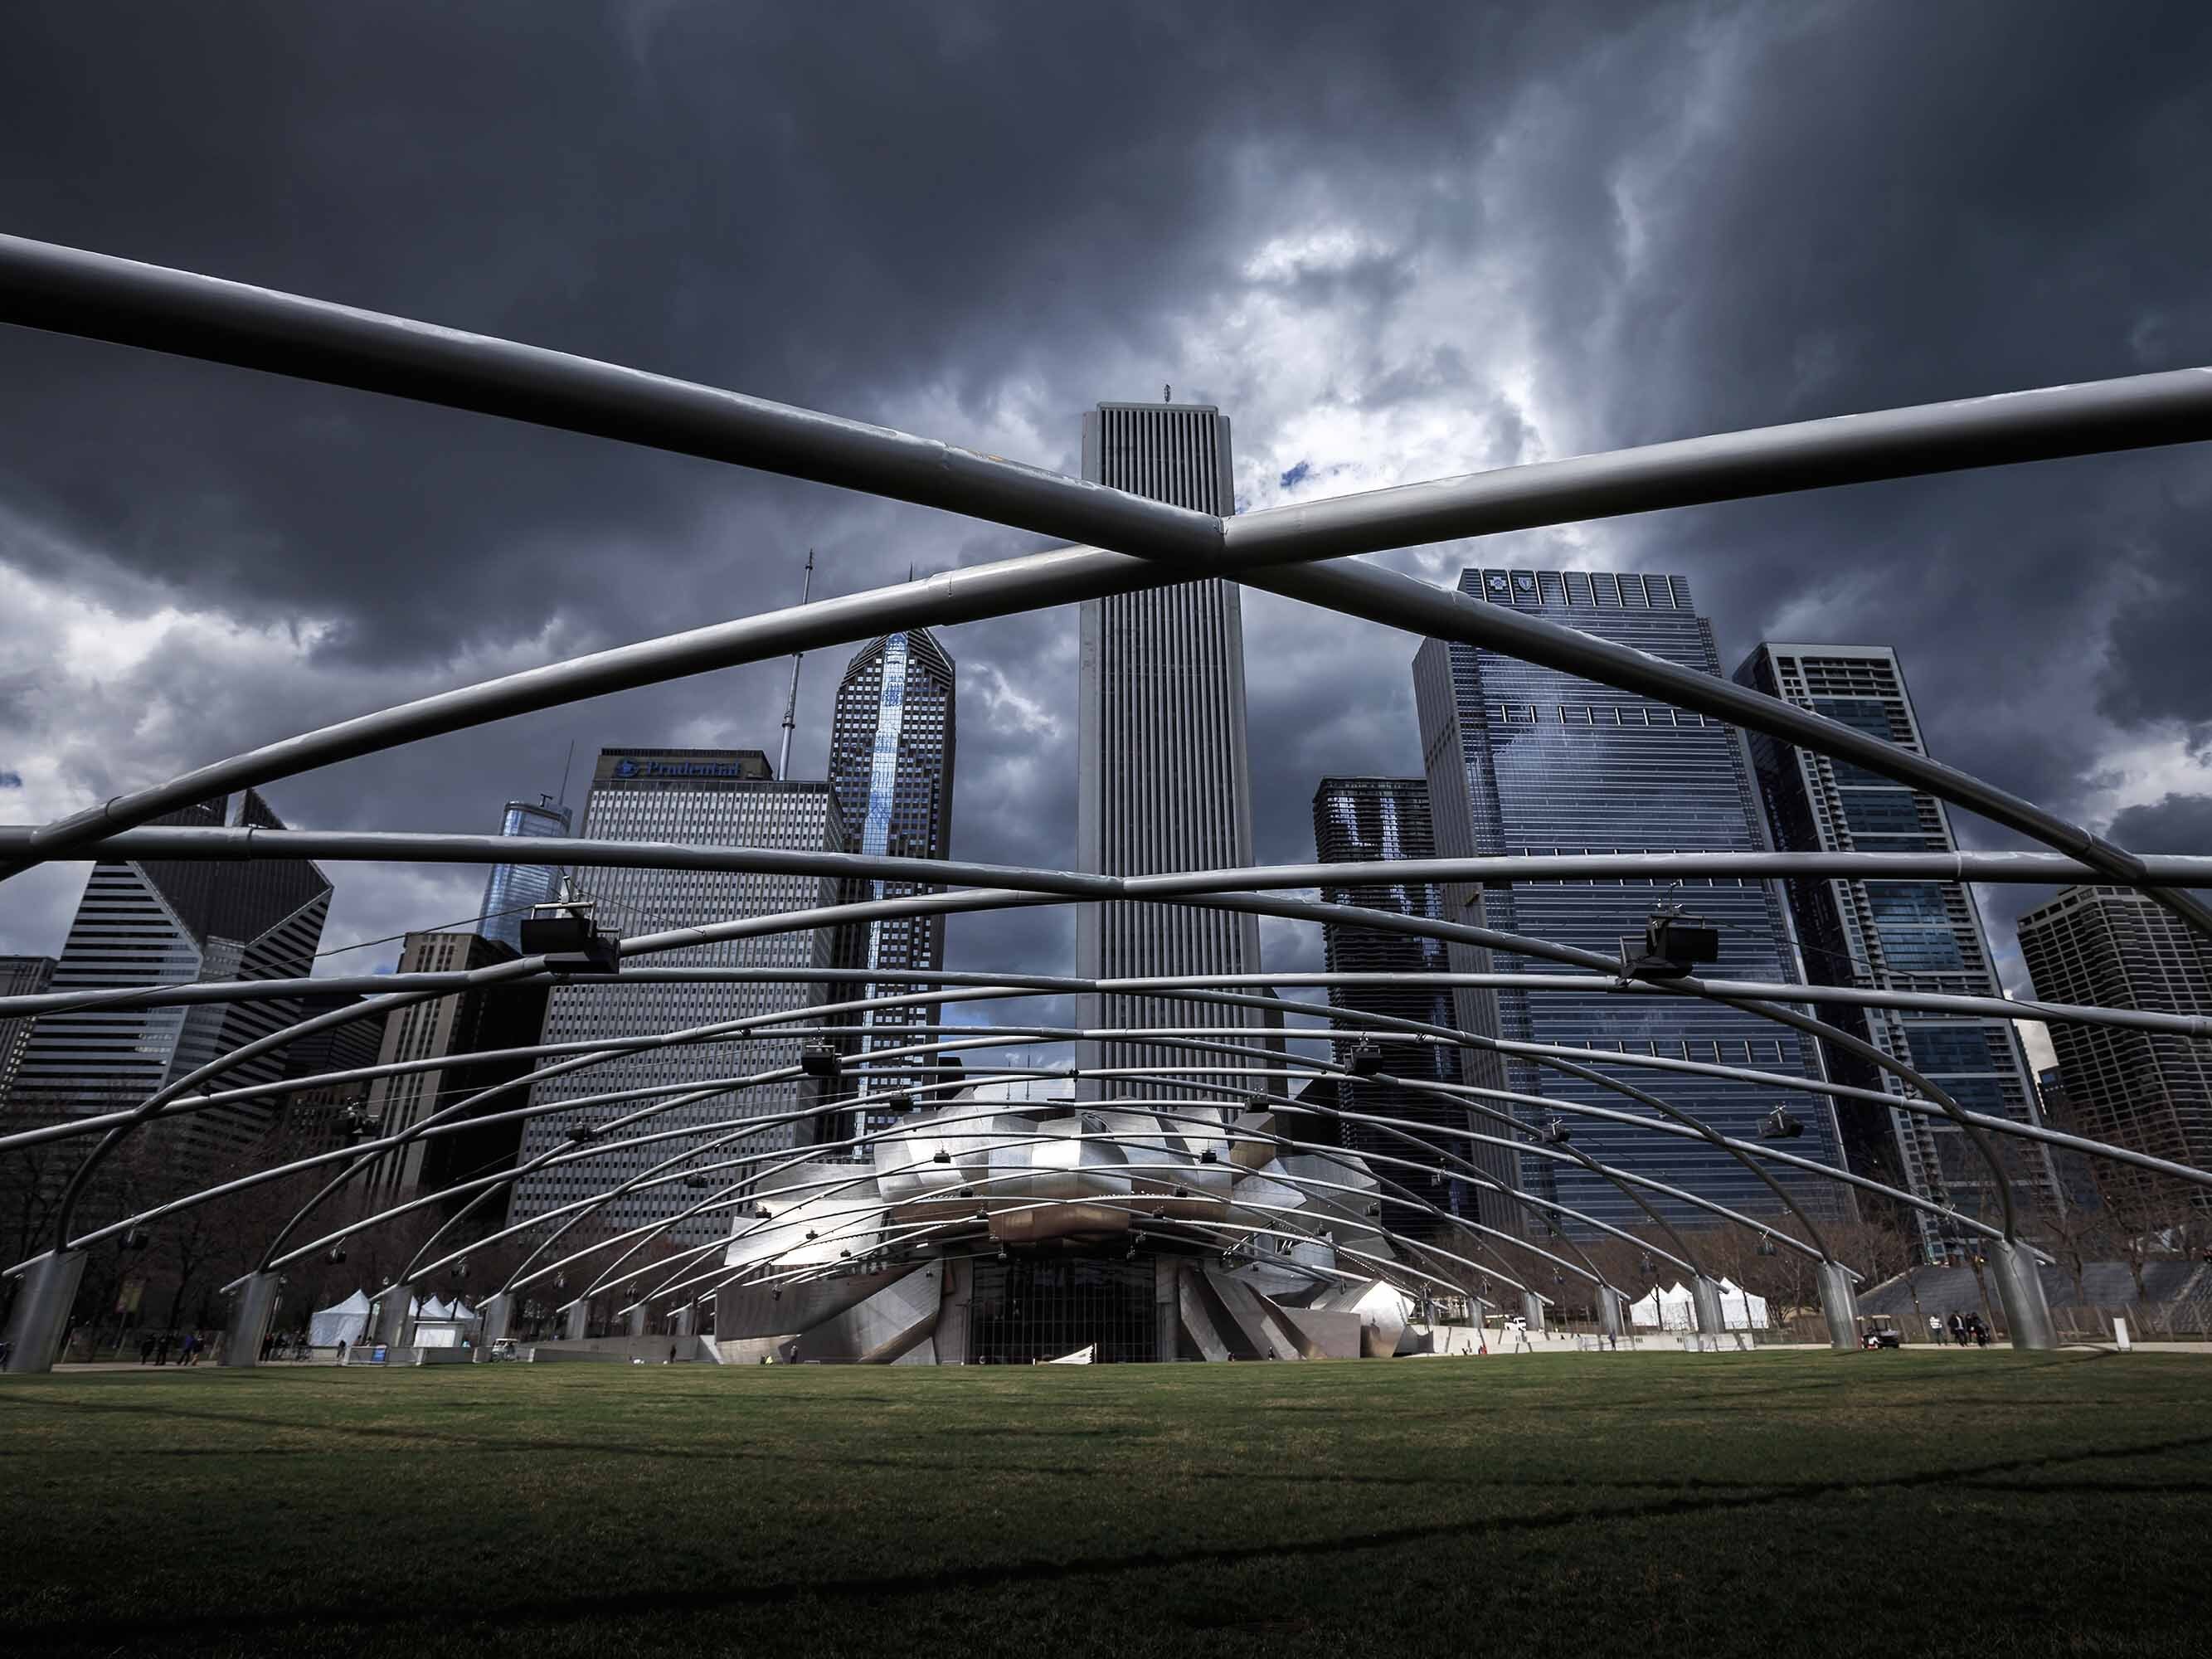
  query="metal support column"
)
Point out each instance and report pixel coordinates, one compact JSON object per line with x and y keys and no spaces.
{"x":2020,"y":1288}
{"x":1839,"y":1305}
{"x":1532,"y":1309}
{"x":634,"y":1321}
{"x":391,"y":1322}
{"x":579,"y":1320}
{"x":683,"y":1320}
{"x":1611,"y":1320}
{"x":251,"y":1310}
{"x":498,"y":1312}
{"x":40,"y":1320}
{"x":1707,"y":1294}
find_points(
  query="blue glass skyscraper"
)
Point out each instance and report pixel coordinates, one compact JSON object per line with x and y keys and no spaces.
{"x":891,"y":742}
{"x":1524,"y":759}
{"x":1890,"y":935}
{"x":513,"y":888}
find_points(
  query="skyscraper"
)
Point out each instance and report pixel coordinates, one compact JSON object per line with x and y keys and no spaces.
{"x":511,"y":889}
{"x":2115,"y":947}
{"x":161,"y":921}
{"x":1382,"y":820}
{"x":1893,"y":935}
{"x":715,"y":797}
{"x":1164,"y":780}
{"x":487,"y":1017}
{"x":19,"y":977}
{"x":890,"y":768}
{"x":1526,"y":759}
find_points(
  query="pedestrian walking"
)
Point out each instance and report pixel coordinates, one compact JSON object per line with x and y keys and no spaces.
{"x":146,"y":1349}
{"x":1959,"y":1330}
{"x":1935,"y":1329}
{"x":161,"y":1349}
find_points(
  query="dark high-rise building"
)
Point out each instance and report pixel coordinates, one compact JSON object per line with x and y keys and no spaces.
{"x":891,"y":769}
{"x":1383,"y":820}
{"x":2116,"y":948}
{"x":317,"y":1117}
{"x":19,"y":977}
{"x":511,"y":889}
{"x":1164,"y":780}
{"x":489,"y":1018}
{"x":160,"y":921}
{"x":1891,"y":935}
{"x":1526,"y":759}
{"x":714,"y":797}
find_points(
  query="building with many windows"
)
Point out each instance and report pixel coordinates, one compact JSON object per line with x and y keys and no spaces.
{"x":1164,"y":778}
{"x":511,"y":889}
{"x":1526,"y":759}
{"x":487,"y":1019}
{"x":891,"y":743}
{"x":159,"y":921}
{"x":712,"y":797}
{"x":1382,"y":821}
{"x":2117,"y":948}
{"x":19,"y":977}
{"x":1905,"y":935}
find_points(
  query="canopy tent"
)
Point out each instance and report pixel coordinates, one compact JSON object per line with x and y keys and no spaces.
{"x":445,"y":1324}
{"x":1739,"y":1310}
{"x":343,"y":1322}
{"x":1673,"y":1309}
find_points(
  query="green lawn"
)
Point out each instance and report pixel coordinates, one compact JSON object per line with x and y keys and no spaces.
{"x":1772,"y":1505}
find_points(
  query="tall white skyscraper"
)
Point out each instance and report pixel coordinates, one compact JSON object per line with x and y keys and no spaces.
{"x":1166,"y":780}
{"x":716,"y":797}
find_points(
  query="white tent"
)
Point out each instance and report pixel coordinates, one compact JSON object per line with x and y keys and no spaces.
{"x":1739,"y":1310}
{"x":342,"y":1323}
{"x":433,"y":1308}
{"x":1673,"y":1309}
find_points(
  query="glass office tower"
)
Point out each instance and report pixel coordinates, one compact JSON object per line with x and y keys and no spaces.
{"x":2117,"y":948}
{"x":513,"y":888}
{"x":1524,"y":759}
{"x":1163,"y":779}
{"x":160,"y":921}
{"x":1381,"y":820}
{"x":712,"y":797}
{"x":1893,"y":935}
{"x":891,"y":766}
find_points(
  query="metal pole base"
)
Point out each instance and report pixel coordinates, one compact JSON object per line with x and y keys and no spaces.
{"x":42,"y":1310}
{"x":1532,"y":1309}
{"x":634,"y":1321}
{"x":580,"y":1320}
{"x":251,"y":1310}
{"x":389,"y":1323}
{"x":1707,"y":1294}
{"x":685,"y":1320}
{"x":1839,"y":1305}
{"x":2020,"y":1288}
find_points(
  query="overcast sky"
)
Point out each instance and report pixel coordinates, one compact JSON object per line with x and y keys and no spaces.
{"x":1392,"y":247}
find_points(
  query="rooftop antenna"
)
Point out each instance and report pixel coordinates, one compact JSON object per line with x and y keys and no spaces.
{"x":565,"y":765}
{"x":1167,"y":393}
{"x":790,"y":707}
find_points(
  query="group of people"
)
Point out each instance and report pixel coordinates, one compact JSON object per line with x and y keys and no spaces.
{"x":153,"y":1350}
{"x":1967,"y":1330}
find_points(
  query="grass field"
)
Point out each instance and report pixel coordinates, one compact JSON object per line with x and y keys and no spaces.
{"x":1769,"y":1504}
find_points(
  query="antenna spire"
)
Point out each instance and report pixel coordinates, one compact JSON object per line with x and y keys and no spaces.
{"x":790,"y":707}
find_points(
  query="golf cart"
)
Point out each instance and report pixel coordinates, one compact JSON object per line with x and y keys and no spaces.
{"x":1878,"y":1331}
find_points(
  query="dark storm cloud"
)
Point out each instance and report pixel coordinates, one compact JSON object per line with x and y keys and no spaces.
{"x":1464,"y":239}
